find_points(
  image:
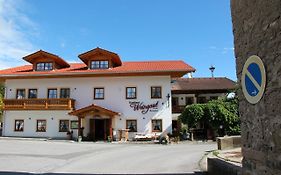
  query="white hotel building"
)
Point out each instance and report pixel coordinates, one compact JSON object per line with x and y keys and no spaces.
{"x":93,"y":99}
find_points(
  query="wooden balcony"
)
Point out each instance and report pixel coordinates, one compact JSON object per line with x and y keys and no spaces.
{"x":177,"y":109}
{"x":39,"y":104}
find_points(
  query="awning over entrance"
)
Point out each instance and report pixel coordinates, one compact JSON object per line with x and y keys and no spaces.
{"x":97,"y":127}
{"x":93,"y":108}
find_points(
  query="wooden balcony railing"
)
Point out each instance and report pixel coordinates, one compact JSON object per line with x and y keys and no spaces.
{"x":177,"y":109}
{"x":39,"y":104}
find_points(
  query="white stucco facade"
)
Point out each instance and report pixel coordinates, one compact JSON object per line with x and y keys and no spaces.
{"x":30,"y":121}
{"x":82,"y":90}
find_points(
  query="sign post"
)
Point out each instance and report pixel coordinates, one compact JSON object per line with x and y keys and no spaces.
{"x":253,"y":79}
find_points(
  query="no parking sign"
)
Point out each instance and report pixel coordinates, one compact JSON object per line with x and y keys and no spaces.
{"x":253,"y":79}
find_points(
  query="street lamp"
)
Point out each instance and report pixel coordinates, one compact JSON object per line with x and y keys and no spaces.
{"x":212,"y":68}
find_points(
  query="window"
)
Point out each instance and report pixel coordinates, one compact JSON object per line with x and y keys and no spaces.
{"x":175,"y":101}
{"x":32,"y":93}
{"x":48,"y":66}
{"x":189,"y":100}
{"x":99,"y":93}
{"x":201,"y":100}
{"x":52,"y":93}
{"x":64,"y":93}
{"x":99,"y":65}
{"x":156,"y":92}
{"x":103,"y":64}
{"x":74,"y":124}
{"x":20,"y":94}
{"x":95,"y":65}
{"x":44,"y":66}
{"x":40,"y":66}
{"x":41,"y":126}
{"x":156,"y":125}
{"x":64,"y":126}
{"x":131,"y":93}
{"x":131,"y":125}
{"x":19,"y":125}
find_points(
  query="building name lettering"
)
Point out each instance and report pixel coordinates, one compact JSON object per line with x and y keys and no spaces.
{"x":140,"y":106}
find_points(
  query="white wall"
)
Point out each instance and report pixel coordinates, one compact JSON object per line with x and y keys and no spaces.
{"x":30,"y":121}
{"x":82,"y":90}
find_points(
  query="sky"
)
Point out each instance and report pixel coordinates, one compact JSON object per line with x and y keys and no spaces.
{"x":196,"y":31}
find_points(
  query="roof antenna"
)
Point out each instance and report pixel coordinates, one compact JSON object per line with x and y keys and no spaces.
{"x":212,"y":69}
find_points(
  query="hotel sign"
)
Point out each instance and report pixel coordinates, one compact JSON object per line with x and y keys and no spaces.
{"x":144,"y":108}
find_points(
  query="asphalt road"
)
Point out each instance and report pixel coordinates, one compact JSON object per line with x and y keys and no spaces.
{"x":53,"y":157}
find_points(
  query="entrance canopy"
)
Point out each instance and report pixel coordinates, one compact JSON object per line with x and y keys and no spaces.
{"x":93,"y":108}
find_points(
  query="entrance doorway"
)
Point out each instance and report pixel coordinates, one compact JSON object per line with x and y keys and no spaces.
{"x":99,"y":129}
{"x":176,"y":126}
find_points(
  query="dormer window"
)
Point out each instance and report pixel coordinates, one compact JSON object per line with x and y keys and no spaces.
{"x":99,"y":65}
{"x":44,"y":61}
{"x":100,"y":59}
{"x":44,"y":66}
{"x":104,"y":64}
{"x":95,"y":64}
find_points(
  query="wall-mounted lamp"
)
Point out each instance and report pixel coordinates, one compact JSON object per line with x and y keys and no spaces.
{"x":168,"y":98}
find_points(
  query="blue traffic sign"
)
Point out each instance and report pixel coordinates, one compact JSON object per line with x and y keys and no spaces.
{"x":253,"y":79}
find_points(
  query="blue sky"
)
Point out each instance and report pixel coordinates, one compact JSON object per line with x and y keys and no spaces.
{"x":196,"y":31}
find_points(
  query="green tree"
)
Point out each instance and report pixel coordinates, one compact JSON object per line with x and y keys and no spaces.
{"x":215,"y":113}
{"x":197,"y":113}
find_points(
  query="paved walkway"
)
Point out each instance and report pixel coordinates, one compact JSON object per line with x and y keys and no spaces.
{"x":98,"y":158}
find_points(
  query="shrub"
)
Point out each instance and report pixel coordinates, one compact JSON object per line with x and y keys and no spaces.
{"x":215,"y":113}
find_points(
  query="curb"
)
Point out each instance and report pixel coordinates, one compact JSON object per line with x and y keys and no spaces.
{"x":36,"y":139}
{"x":203,"y":161}
{"x":203,"y":164}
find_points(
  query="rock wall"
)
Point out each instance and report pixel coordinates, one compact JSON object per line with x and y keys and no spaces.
{"x":221,"y":167}
{"x":257,"y":31}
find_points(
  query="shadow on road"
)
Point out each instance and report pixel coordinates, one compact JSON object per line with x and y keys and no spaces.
{"x":23,"y":173}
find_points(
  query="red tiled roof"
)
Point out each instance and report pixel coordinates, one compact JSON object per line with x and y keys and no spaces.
{"x":202,"y":84}
{"x":165,"y":67}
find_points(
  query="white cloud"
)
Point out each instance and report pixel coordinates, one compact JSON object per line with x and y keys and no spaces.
{"x":16,"y":30}
{"x":227,"y":49}
{"x":224,"y":50}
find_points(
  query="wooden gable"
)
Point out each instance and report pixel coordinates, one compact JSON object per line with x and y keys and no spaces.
{"x":99,"y":54}
{"x":45,"y":57}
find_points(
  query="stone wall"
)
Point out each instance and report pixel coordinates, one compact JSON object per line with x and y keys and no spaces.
{"x":257,"y":31}
{"x":221,"y":167}
{"x":228,"y":142}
